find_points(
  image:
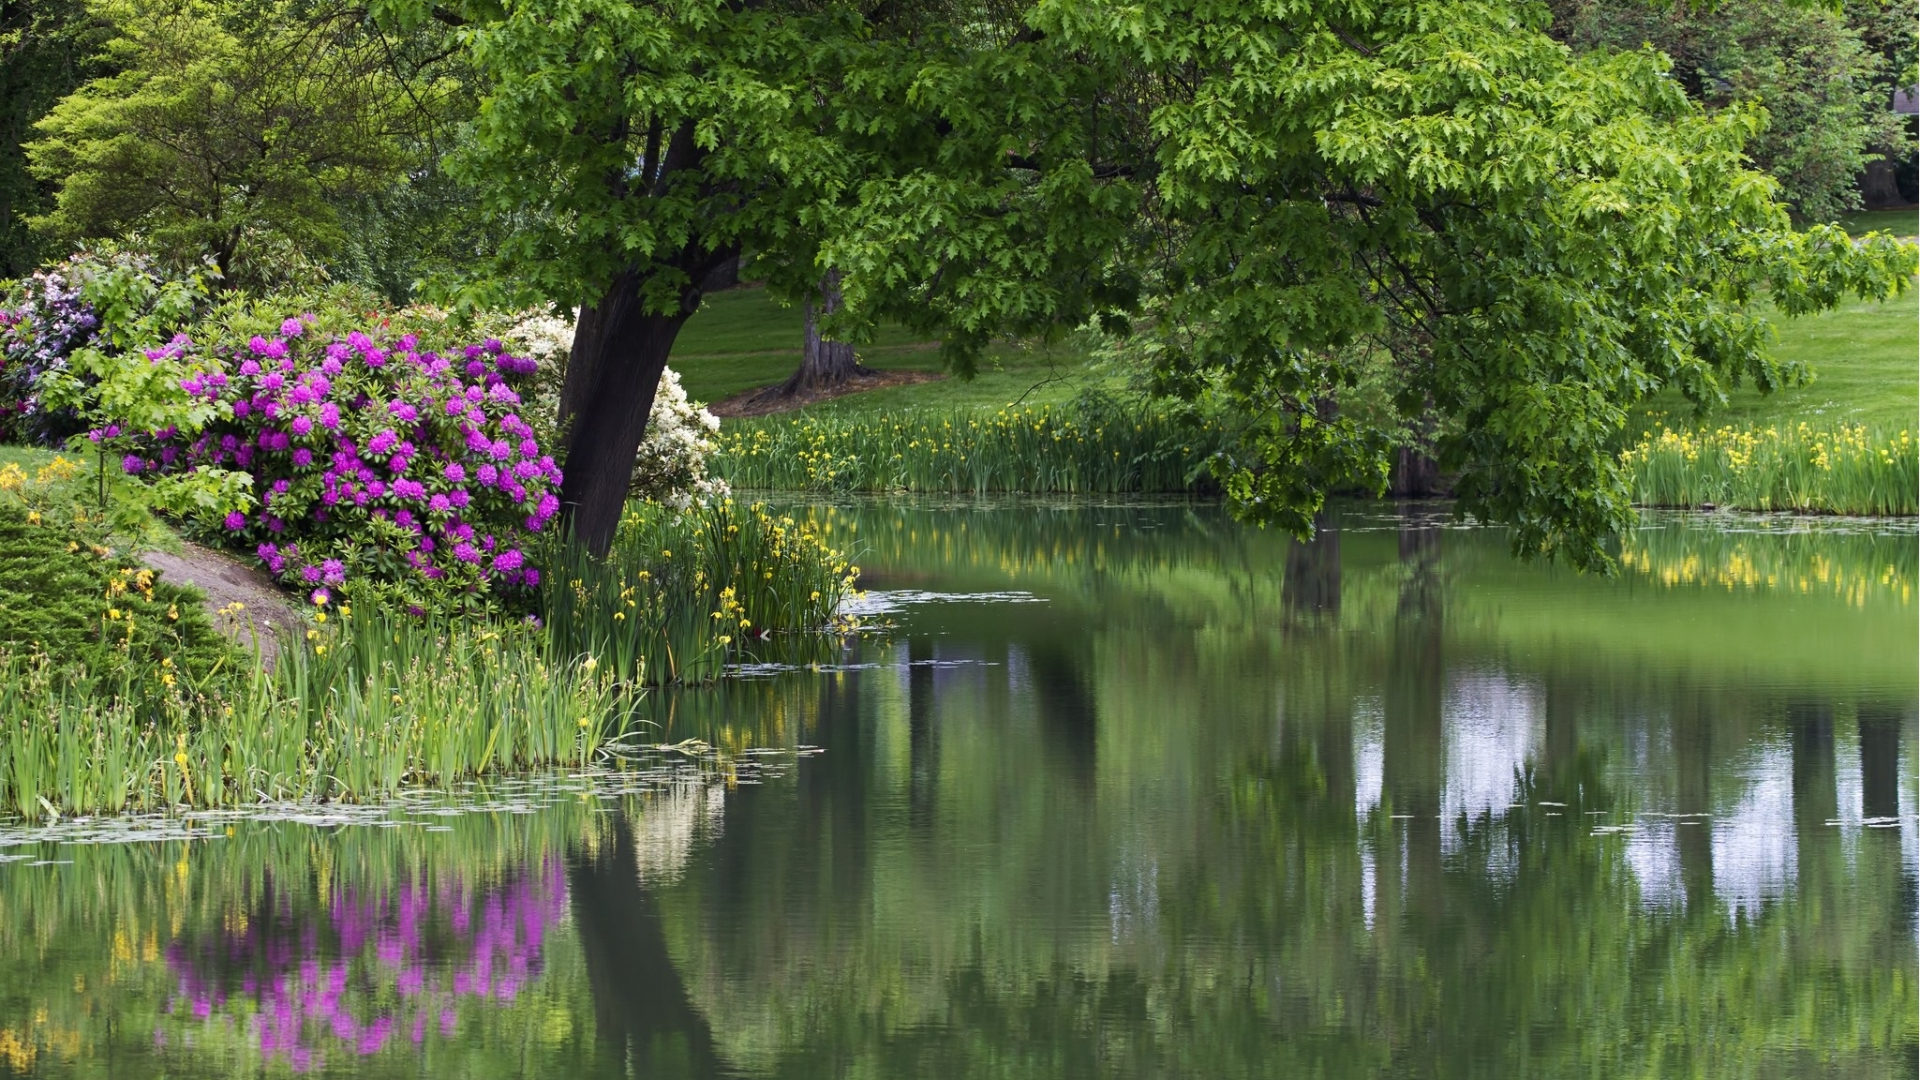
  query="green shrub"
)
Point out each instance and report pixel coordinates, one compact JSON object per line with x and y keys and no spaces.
{"x":66,"y":595}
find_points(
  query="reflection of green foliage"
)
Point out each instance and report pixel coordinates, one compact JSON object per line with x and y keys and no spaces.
{"x":965,"y":888}
{"x":1125,"y":832}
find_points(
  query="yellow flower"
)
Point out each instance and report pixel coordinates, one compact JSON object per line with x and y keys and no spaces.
{"x":589,"y":664}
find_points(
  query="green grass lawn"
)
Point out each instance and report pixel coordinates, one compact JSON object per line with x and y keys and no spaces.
{"x":29,"y":458}
{"x":1866,"y":359}
{"x":1866,"y":362}
{"x":743,"y":339}
{"x":1897,"y":222}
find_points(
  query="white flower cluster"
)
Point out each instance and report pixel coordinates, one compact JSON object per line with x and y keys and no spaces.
{"x":671,"y":468}
{"x":541,"y":335}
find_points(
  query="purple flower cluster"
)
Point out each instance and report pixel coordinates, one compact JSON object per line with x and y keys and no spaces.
{"x":47,"y":323}
{"x":365,"y":971}
{"x":371,"y":459}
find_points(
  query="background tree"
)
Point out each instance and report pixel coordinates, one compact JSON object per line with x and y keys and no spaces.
{"x":824,"y":364}
{"x":1890,"y":30}
{"x":47,"y":49}
{"x":1827,"y":93}
{"x":229,"y":131}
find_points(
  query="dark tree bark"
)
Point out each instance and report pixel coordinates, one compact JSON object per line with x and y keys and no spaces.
{"x":1312,"y":582}
{"x":824,"y":364}
{"x":1879,"y":760}
{"x":619,"y":350}
{"x":1879,"y":189}
{"x":613,"y":372}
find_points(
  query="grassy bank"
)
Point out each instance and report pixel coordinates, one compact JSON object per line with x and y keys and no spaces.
{"x":742,"y":340}
{"x":1862,"y":356}
{"x":1842,"y":443}
{"x":1800,"y":448}
{"x":371,"y":706}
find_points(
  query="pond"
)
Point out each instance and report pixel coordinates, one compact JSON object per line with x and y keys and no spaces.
{"x":1121,"y":790}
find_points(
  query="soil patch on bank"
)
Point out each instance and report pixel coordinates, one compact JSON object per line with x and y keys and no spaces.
{"x":266,"y":615}
{"x":768,"y":400}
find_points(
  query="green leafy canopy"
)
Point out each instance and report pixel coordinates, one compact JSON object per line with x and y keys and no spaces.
{"x":1283,"y":196}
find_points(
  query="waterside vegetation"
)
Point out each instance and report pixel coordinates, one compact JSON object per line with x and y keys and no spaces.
{"x":1840,"y":469}
{"x":1094,"y":444}
{"x":127,"y":699}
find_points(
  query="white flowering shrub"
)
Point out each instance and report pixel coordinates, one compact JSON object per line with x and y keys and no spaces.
{"x":671,"y":468}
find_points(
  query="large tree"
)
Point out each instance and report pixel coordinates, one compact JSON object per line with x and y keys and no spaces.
{"x":1526,"y":240}
{"x":1281,"y":198}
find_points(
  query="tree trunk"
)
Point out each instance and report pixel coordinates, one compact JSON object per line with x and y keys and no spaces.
{"x":618,"y":353}
{"x":1879,"y":189}
{"x":824,"y":364}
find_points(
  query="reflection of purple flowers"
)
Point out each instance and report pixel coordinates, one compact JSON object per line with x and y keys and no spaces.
{"x":366,"y":970}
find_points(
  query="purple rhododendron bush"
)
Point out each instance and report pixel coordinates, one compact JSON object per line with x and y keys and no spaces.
{"x":376,"y":461}
{"x":43,"y":319}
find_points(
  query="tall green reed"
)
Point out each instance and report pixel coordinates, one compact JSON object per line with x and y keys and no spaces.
{"x":371,"y":704}
{"x":680,"y":594}
{"x":1841,"y":469}
{"x":1093,"y":445}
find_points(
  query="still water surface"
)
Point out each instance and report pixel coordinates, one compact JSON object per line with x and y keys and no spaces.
{"x":1126,"y":791}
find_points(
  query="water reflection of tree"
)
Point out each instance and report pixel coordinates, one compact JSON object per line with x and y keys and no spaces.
{"x":1198,"y":907}
{"x":640,"y":1005}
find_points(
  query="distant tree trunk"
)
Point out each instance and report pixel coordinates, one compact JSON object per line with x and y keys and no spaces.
{"x":1879,"y":189}
{"x":824,"y":364}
